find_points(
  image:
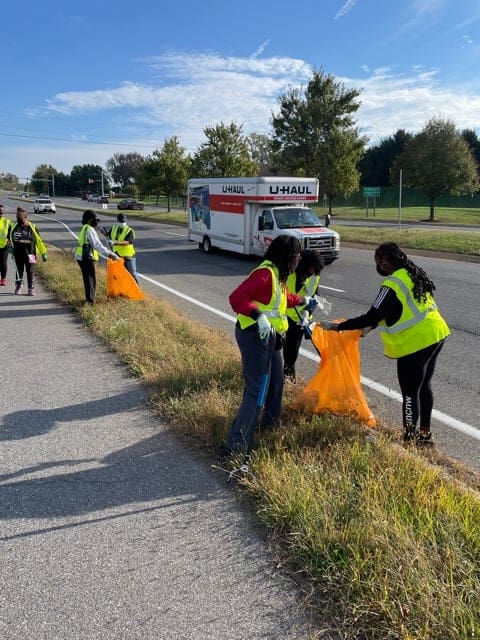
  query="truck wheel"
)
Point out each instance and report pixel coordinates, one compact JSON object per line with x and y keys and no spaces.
{"x":206,"y":245}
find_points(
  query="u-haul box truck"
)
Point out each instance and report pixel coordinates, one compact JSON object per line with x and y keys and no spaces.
{"x":246,"y":214}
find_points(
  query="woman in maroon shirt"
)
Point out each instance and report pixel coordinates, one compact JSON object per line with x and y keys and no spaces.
{"x":253,"y":334}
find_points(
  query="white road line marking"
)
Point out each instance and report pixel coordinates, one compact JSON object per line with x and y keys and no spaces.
{"x":458,"y":425}
{"x":322,"y":286}
{"x":380,"y":388}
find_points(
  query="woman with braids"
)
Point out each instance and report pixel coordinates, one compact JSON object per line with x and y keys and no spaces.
{"x":261,"y":303}
{"x":412,"y":332}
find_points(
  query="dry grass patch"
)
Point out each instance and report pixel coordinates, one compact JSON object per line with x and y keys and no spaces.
{"x":388,"y":544}
{"x":384,"y":536}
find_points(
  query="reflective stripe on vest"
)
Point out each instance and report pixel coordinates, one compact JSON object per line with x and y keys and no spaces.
{"x":417,"y":314}
{"x":276,"y":309}
{"x":83,"y":240}
{"x":309,"y":288}
{"x":420,"y":324}
{"x":119,"y":233}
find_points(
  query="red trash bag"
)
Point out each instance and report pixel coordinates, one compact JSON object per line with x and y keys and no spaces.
{"x":121,"y":283}
{"x":336,"y":386}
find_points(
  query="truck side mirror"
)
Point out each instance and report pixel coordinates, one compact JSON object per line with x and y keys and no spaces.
{"x":328,"y":219}
{"x":261,"y":223}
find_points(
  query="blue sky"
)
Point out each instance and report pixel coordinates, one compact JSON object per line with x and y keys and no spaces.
{"x":84,"y":80}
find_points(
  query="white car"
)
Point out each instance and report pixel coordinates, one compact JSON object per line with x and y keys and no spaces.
{"x":41,"y":205}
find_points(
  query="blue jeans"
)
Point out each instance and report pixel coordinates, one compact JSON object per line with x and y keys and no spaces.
{"x":255,"y":354}
{"x":131,"y":267}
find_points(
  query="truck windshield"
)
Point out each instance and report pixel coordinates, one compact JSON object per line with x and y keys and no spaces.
{"x":296,"y":217}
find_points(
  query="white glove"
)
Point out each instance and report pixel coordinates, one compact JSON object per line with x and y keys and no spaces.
{"x":329,"y":326}
{"x":264,"y":326}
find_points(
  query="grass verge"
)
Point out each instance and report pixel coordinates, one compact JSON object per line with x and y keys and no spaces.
{"x":386,"y":541}
{"x":460,"y":242}
{"x":443,"y":215}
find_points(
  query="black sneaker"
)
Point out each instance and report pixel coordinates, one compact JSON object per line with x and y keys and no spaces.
{"x":424,"y":439}
{"x":408,"y":436}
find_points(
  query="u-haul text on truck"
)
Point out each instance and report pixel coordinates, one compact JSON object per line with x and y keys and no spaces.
{"x":246,"y":214}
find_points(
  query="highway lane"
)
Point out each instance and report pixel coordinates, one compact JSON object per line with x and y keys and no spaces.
{"x":166,"y":257}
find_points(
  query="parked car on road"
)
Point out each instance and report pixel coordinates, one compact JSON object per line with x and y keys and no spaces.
{"x":103,"y":199}
{"x":130,"y":203}
{"x":41,"y":205}
{"x":92,"y":197}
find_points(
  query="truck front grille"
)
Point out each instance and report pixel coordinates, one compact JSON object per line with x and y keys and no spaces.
{"x":320,"y":242}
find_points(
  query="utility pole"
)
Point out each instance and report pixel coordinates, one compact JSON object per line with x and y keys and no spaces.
{"x":400,"y":201}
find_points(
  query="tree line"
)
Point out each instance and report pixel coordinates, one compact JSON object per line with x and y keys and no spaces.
{"x":313,"y":133}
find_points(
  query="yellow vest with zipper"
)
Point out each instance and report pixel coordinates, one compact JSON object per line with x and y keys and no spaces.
{"x":82,"y":241}
{"x":276,"y":308}
{"x":119,"y":233}
{"x":4,"y":231}
{"x":420,"y":324}
{"x":309,"y":288}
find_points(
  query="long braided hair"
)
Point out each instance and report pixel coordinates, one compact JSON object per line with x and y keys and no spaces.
{"x":422,"y":284}
{"x":283,"y":251}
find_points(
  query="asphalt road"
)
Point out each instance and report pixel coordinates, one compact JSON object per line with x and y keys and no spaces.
{"x":176,"y":269}
{"x":110,"y":527}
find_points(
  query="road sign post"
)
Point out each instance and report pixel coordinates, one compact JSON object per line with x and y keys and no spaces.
{"x":371,"y":192}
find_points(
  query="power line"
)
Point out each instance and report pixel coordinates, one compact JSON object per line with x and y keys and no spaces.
{"x":116,"y":144}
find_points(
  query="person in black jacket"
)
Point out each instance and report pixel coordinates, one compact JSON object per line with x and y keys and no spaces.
{"x":413,"y":333}
{"x":25,"y":241}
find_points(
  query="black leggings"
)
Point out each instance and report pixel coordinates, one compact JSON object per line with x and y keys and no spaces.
{"x":89,"y":279}
{"x":3,"y":262}
{"x":291,"y":346}
{"x":23,"y":266}
{"x":415,"y":373}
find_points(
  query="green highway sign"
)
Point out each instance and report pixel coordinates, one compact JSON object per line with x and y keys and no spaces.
{"x":371,"y":192}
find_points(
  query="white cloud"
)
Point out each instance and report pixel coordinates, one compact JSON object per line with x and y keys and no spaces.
{"x":260,"y":49}
{"x":423,"y":7}
{"x":191,"y":91}
{"x":391,"y":102}
{"x":348,"y":6}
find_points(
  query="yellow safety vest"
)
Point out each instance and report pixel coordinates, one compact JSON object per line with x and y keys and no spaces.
{"x":420,"y":324}
{"x":4,"y":231}
{"x":276,"y":308}
{"x":309,"y":288}
{"x":119,"y":233}
{"x":83,"y":242}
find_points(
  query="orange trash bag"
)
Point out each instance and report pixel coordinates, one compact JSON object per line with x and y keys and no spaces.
{"x":336,"y":385}
{"x":120,"y":283}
